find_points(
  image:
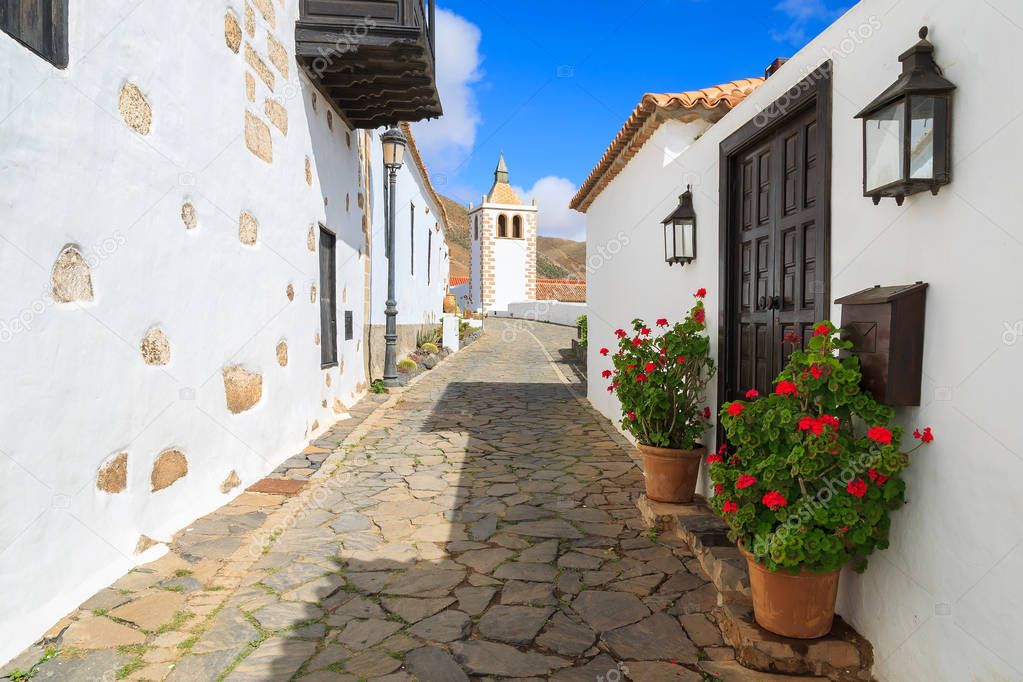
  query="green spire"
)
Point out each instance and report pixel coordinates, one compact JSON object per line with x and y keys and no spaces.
{"x":501,"y":174}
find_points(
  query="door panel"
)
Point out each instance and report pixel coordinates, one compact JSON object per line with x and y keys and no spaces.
{"x":328,"y":298}
{"x":776,"y":283}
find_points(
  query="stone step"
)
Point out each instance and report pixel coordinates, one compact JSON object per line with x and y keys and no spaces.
{"x":842,"y":656}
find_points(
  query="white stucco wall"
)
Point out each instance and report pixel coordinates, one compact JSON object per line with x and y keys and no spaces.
{"x":556,"y":312}
{"x":509,"y":272}
{"x":76,"y":389}
{"x":420,"y":285}
{"x":943,"y":603}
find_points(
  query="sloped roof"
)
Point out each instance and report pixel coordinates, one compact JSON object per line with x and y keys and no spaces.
{"x":654,"y":109}
{"x":501,"y":192}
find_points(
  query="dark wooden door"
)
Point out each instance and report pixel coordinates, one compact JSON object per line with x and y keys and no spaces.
{"x":776,"y":247}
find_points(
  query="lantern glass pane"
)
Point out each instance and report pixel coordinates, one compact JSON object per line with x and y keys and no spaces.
{"x":921,"y":140}
{"x":884,"y":138}
{"x":669,"y":246}
{"x":684,"y":230}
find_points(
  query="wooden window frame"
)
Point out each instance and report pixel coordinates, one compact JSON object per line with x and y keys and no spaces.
{"x":328,"y":318}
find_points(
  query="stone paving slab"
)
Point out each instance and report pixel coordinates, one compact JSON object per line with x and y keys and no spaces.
{"x":479,"y":524}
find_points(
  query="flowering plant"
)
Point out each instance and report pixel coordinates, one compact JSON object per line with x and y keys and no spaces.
{"x":660,"y":379}
{"x":810,"y":473}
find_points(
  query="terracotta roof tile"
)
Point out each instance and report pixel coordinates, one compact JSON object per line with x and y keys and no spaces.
{"x":565,"y":290}
{"x":458,"y":281}
{"x":654,"y":109}
{"x":502,"y":193}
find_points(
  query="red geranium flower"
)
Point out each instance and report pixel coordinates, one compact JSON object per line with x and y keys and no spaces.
{"x":663,"y":350}
{"x":610,"y":389}
{"x":662,"y":322}
{"x":785,"y":388}
{"x":729,"y":507}
{"x":774,"y":500}
{"x":735,"y":409}
{"x":723,"y":450}
{"x":706,"y":413}
{"x":645,"y":331}
{"x":650,"y":366}
{"x":926,"y":436}
{"x":701,"y":292}
{"x":714,"y":459}
{"x":745,"y":481}
{"x":631,"y":415}
{"x":620,"y":333}
{"x":637,"y":341}
{"x":821,"y":330}
{"x":718,"y":489}
{"x":829,"y":420}
{"x":604,"y":351}
{"x":680,"y":360}
{"x":816,"y":371}
{"x":629,"y":368}
{"x":641,"y":377}
{"x":880,"y":434}
{"x":699,"y":315}
{"x":857,"y":488}
{"x":606,"y":374}
{"x":752,"y":393}
{"x":790,"y":337}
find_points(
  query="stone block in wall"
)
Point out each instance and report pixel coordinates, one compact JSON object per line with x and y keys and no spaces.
{"x":155,"y":347}
{"x":230,"y":483}
{"x":278,"y":55}
{"x":113,"y":476}
{"x":277,"y":114}
{"x":71,"y":279}
{"x":282,"y":353}
{"x":135,"y":109}
{"x":188,"y":215}
{"x":169,"y":466}
{"x":242,"y":388}
{"x":248,"y":228}
{"x":267,"y":10}
{"x":257,"y":137}
{"x":250,"y":20}
{"x":260,"y":67}
{"x":250,"y":87}
{"x":232,"y":32}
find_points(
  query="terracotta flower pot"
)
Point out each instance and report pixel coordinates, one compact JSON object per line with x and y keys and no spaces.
{"x":671,"y":474}
{"x":801,"y":606}
{"x":450,"y":304}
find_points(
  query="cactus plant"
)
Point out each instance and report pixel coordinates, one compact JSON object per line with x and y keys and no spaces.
{"x":407,"y":365}
{"x":429,"y":348}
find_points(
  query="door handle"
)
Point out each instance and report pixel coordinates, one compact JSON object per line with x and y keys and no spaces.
{"x":775,"y":303}
{"x":762,"y":303}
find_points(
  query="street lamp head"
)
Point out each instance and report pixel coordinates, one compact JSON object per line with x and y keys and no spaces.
{"x":394,"y":143}
{"x":680,"y":231}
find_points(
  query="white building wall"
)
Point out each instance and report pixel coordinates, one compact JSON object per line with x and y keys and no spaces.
{"x":77,"y":390}
{"x":421,"y":279}
{"x":509,"y":272}
{"x":943,"y":603}
{"x":475,"y":286}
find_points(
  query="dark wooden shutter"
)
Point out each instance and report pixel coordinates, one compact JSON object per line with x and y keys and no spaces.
{"x":412,"y":236}
{"x":349,"y":325}
{"x":39,"y":25}
{"x":328,"y":298}
{"x":429,"y":256}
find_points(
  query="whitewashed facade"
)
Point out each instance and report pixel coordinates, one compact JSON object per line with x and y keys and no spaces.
{"x":943,"y":603}
{"x":188,"y":160}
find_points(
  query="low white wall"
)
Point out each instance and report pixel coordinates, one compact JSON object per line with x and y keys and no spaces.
{"x":556,"y":312}
{"x":943,"y":602}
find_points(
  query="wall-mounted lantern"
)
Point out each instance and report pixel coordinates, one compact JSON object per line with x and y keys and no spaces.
{"x":680,"y":231}
{"x":907,"y":130}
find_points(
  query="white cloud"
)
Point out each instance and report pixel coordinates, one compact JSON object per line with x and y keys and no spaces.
{"x":800,"y":14}
{"x":448,"y":141}
{"x":555,"y":218}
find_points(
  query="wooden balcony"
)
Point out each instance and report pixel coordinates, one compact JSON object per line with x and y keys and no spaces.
{"x":375,"y":58}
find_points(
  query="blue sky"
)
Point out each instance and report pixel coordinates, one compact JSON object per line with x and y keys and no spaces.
{"x":550,"y":83}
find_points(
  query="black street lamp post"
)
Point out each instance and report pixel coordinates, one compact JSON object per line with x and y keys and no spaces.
{"x":393,"y":142}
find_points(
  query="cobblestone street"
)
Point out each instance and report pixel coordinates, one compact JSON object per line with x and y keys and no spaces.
{"x":479,"y":525}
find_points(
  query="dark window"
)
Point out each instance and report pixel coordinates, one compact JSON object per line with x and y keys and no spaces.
{"x":328,"y":298}
{"x":349,"y":325}
{"x":39,"y":25}
{"x":477,"y":229}
{"x":429,"y":256}
{"x":412,"y":236}
{"x":517,"y":227}
{"x":502,"y":226}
